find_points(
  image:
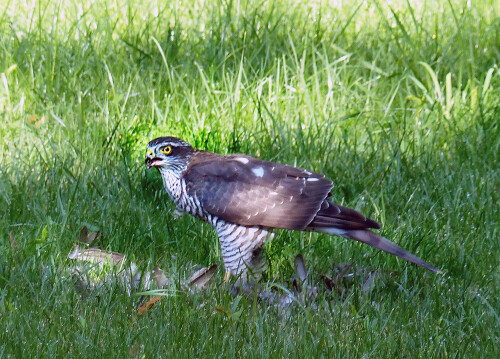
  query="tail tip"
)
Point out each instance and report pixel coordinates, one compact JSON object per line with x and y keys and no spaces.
{"x":433,"y":269}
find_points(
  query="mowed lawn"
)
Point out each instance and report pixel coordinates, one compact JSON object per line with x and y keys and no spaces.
{"x":397,"y":102}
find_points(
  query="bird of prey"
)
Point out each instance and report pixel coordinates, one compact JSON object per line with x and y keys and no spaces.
{"x":244,"y":198}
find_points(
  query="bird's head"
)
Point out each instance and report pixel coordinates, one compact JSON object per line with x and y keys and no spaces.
{"x":168,"y":153}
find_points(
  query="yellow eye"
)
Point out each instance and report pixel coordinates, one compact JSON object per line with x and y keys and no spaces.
{"x":166,"y":150}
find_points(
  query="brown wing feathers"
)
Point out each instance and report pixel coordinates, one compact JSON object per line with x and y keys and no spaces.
{"x":248,"y":191}
{"x":333,"y":215}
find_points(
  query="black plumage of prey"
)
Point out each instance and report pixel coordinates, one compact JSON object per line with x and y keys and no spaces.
{"x":244,"y":198}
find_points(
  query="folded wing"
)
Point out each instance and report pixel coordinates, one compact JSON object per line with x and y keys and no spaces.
{"x":248,"y":191}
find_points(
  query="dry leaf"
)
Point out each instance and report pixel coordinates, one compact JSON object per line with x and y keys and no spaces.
{"x":329,"y":282}
{"x":35,"y":120}
{"x":220,"y":309}
{"x":93,"y":236}
{"x":95,"y":255}
{"x":160,"y":278}
{"x":201,"y":277}
{"x":136,"y":350}
{"x":300,"y":268}
{"x":88,"y":237}
{"x":147,"y":305}
{"x":13,"y":242}
{"x":84,"y":233}
{"x":337,"y":283}
{"x":369,"y":284}
{"x":41,"y":121}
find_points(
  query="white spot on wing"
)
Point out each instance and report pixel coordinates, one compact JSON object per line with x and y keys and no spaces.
{"x":259,"y":171}
{"x":313,"y":179}
{"x":242,"y":160}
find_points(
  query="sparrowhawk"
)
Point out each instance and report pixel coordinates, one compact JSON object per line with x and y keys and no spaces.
{"x":244,"y":198}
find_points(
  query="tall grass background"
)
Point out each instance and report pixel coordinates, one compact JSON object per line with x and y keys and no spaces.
{"x":397,"y":102}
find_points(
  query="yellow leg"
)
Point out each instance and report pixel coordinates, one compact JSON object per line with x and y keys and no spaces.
{"x":227,"y":276}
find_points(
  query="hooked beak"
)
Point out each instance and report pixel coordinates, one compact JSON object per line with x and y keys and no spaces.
{"x":150,"y":162}
{"x":151,"y":159}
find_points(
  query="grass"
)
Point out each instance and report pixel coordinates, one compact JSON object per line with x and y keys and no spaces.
{"x":397,"y":102}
